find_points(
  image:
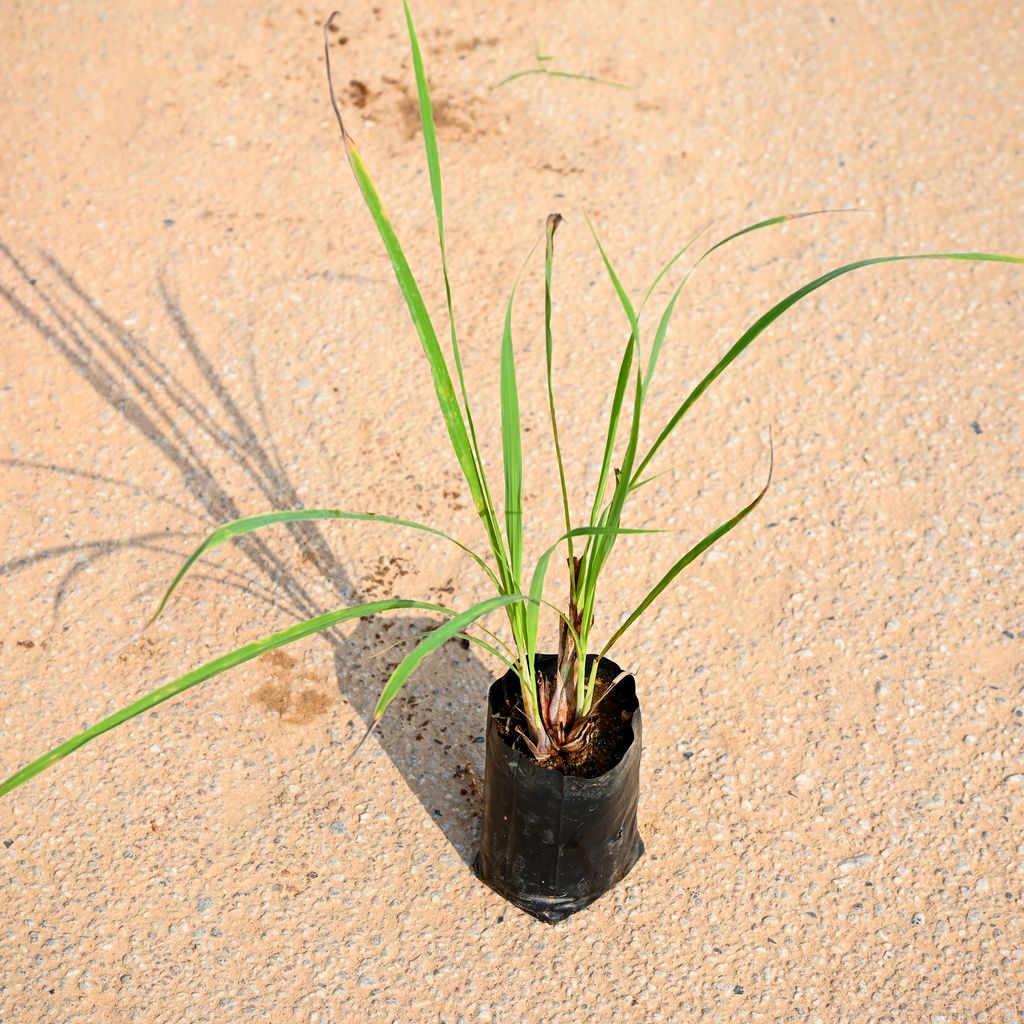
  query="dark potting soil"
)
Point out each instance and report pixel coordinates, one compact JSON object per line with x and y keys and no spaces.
{"x":609,"y":742}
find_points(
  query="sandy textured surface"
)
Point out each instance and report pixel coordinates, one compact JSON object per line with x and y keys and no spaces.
{"x":201,"y":324}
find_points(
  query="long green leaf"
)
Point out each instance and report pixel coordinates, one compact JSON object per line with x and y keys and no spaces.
{"x":207,"y":671}
{"x":512,"y":452}
{"x":429,"y":128}
{"x":623,"y":377}
{"x":541,"y":568}
{"x":782,"y":219}
{"x":632,"y":353}
{"x":670,"y":264}
{"x":667,"y":315}
{"x":624,"y":301}
{"x":437,"y":637}
{"x":512,"y":442}
{"x":554,"y":219}
{"x":434,"y":168}
{"x":602,"y":545}
{"x":490,"y":648}
{"x":621,"y":381}
{"x":443,"y":387}
{"x":468,"y":637}
{"x":599,"y":548}
{"x":659,"y":336}
{"x":240,"y":527}
{"x":695,"y":552}
{"x":778,"y":309}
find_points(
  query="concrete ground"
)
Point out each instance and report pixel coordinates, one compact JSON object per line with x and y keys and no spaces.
{"x":200,"y":323}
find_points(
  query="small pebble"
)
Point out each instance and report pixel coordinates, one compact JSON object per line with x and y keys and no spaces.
{"x":859,"y":861}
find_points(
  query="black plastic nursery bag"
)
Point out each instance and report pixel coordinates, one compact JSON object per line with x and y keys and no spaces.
{"x":552,"y":843}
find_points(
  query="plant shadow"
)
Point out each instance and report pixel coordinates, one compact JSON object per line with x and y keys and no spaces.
{"x":425,"y":734}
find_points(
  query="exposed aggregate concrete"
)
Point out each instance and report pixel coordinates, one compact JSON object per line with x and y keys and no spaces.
{"x":833,"y":782}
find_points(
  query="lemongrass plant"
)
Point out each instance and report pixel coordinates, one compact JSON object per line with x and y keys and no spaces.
{"x":558,"y":710}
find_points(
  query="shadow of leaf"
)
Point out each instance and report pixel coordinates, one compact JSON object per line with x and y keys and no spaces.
{"x":425,"y":734}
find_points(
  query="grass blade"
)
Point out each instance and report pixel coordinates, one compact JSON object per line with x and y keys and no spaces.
{"x":695,"y":552}
{"x":512,"y":452}
{"x":659,"y":335}
{"x":240,"y":527}
{"x":490,"y":648}
{"x":627,"y":306}
{"x":207,"y":671}
{"x":437,"y":637}
{"x":468,"y":637}
{"x":541,"y":568}
{"x":671,"y":263}
{"x":667,"y":315}
{"x":782,"y":219}
{"x":446,"y":397}
{"x":625,"y":367}
{"x":543,"y":69}
{"x":603,"y":544}
{"x":512,"y":442}
{"x":779,"y":308}
{"x":434,"y":168}
{"x":560,"y":74}
{"x":553,"y":221}
{"x":599,"y":548}
{"x":632,"y":352}
{"x":429,"y":132}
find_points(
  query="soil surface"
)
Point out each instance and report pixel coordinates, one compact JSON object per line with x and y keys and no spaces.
{"x":198,"y":322}
{"x":612,"y":719}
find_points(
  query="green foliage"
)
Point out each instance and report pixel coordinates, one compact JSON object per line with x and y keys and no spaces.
{"x":542,"y":67}
{"x":623,"y":475}
{"x":208,"y":671}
